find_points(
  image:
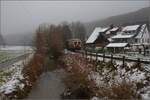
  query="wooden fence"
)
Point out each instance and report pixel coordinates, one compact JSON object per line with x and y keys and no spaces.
{"x":111,"y":57}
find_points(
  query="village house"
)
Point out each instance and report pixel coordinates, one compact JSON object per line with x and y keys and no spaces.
{"x":112,"y":32}
{"x":98,"y":38}
{"x":135,"y":36}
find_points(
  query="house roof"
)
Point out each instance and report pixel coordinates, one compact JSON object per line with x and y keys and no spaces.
{"x":104,"y":29}
{"x":140,"y":34}
{"x":122,"y":36}
{"x":95,"y":34}
{"x":131,"y":28}
{"x":114,"y":29}
{"x":116,"y":45}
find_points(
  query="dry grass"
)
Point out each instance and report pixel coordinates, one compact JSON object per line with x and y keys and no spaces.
{"x":34,"y":68}
{"x":123,"y":90}
{"x":77,"y":80}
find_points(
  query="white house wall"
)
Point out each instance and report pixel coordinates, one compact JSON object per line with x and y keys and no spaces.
{"x":145,"y":37}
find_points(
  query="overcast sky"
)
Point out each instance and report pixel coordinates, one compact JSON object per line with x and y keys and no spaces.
{"x":24,"y":16}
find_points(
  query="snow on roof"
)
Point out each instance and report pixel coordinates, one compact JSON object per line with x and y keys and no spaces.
{"x":117,"y":44}
{"x":110,"y":39}
{"x":104,"y":29}
{"x":122,"y":36}
{"x":114,"y":29}
{"x":140,"y":34}
{"x":131,"y":28}
{"x":95,"y":34}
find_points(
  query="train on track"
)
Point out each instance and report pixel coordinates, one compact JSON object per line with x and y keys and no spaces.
{"x":74,"y":44}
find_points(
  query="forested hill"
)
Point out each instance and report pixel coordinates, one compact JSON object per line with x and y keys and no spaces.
{"x":137,"y":17}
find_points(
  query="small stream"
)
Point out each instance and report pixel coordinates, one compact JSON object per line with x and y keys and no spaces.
{"x":49,"y":86}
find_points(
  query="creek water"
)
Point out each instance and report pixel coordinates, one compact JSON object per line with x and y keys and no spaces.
{"x":49,"y":86}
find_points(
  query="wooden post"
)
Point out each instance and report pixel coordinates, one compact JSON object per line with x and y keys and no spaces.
{"x":123,"y":61}
{"x":138,"y":62}
{"x":82,"y":53}
{"x":111,"y":58}
{"x":104,"y":57}
{"x":96,"y":57}
{"x":85,"y":54}
{"x":91,"y":56}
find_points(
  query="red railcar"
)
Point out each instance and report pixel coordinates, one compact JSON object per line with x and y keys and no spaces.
{"x":74,"y":44}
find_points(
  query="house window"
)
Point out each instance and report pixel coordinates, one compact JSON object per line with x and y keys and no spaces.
{"x":148,"y":40}
{"x":142,"y":40}
{"x":136,"y":40}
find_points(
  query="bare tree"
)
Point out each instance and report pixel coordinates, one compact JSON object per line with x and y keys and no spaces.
{"x":67,"y":34}
{"x":78,"y":30}
{"x":55,"y":41}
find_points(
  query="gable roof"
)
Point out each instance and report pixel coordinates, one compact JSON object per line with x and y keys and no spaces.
{"x":131,"y":28}
{"x":111,"y":30}
{"x":104,"y":29}
{"x":114,"y":29}
{"x":95,"y":34}
{"x":142,"y":31}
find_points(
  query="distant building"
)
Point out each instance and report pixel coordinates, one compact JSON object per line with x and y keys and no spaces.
{"x":112,"y":32}
{"x":133,"y":35}
{"x":98,"y":38}
{"x":121,"y":39}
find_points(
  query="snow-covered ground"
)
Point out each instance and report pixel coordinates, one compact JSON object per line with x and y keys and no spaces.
{"x":12,"y":76}
{"x":16,"y":47}
{"x":10,"y":52}
{"x":133,"y":75}
{"x":106,"y":77}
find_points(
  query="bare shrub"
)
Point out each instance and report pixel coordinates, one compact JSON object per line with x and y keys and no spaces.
{"x":77,"y":77}
{"x":123,"y":90}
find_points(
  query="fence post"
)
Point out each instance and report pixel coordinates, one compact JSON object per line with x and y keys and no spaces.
{"x":82,"y":53}
{"x":123,"y":61}
{"x":85,"y":54}
{"x":104,"y":57}
{"x":91,"y":56}
{"x":96,"y":56}
{"x":111,"y":58}
{"x":138,"y":62}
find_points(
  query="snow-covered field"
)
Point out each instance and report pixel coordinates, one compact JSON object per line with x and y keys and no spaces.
{"x":10,"y":52}
{"x":10,"y":78}
{"x":16,"y":48}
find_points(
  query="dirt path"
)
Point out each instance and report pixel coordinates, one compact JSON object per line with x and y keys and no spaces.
{"x":49,"y":86}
